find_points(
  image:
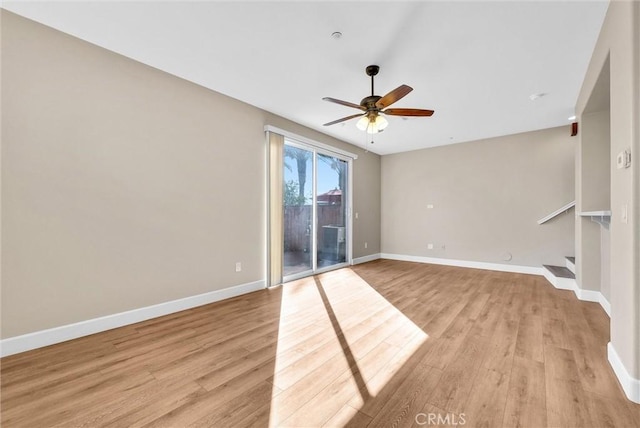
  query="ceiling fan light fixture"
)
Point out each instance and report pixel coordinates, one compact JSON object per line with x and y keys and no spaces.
{"x":372,"y":125}
{"x":380,"y":123}
{"x":363,"y":123}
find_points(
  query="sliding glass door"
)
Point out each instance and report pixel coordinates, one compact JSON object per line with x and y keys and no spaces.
{"x":298,"y":212}
{"x":331,"y":211}
{"x":315,"y":210}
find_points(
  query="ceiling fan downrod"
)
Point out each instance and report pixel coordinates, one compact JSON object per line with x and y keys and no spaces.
{"x":372,"y":70}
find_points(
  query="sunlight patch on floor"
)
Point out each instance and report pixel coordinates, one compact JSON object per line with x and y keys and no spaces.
{"x":339,"y":341}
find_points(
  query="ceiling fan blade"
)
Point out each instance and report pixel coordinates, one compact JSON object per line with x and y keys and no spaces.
{"x":407,"y":112}
{"x":393,"y":96}
{"x":344,"y":119}
{"x":344,"y":103}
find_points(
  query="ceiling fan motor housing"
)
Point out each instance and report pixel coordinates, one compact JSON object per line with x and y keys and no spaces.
{"x":370,"y":102}
{"x":372,"y":70}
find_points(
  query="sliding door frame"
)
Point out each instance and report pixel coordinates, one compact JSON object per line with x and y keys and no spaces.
{"x":289,"y":141}
{"x":324,"y":149}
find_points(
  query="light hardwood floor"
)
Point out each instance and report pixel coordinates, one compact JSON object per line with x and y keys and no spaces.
{"x":385,"y":343}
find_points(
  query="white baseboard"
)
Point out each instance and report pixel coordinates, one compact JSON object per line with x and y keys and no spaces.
{"x":605,"y":304}
{"x":39,"y":339}
{"x":592,"y":296}
{"x":364,"y":259}
{"x":465,"y":263}
{"x":630,"y":385}
{"x":588,"y":295}
{"x":572,"y":285}
{"x":560,"y":283}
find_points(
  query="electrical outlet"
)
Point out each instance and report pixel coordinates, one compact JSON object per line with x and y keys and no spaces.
{"x":429,"y":206}
{"x":238,"y":267}
{"x":429,"y":246}
{"x":366,"y":245}
{"x":356,"y":216}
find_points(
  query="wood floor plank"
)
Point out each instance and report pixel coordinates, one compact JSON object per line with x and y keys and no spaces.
{"x":261,"y":417}
{"x":258,"y":361}
{"x":589,"y":347}
{"x":452,"y":391}
{"x":353,"y":382}
{"x":408,"y":401}
{"x":597,"y":319}
{"x":488,"y":318}
{"x":375,"y":344}
{"x":530,"y":341}
{"x":238,"y":408}
{"x":487,"y":399}
{"x":134,"y":411}
{"x":526,"y":404}
{"x":446,"y":316}
{"x":502,"y":346}
{"x":608,"y":413}
{"x":383,"y":385}
{"x":567,"y":402}
{"x":292,"y":399}
{"x":348,"y":416}
{"x":59,"y":405}
{"x":567,"y":405}
{"x":554,"y":329}
{"x":448,"y":345}
{"x":53,"y":362}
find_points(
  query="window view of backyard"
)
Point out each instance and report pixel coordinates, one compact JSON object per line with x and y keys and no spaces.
{"x":300,"y":232}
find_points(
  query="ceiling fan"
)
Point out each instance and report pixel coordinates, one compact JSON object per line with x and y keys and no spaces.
{"x":373,"y":105}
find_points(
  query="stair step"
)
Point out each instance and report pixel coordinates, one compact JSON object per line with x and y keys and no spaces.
{"x":560,"y":277}
{"x":570,"y":263}
{"x":560,"y":271}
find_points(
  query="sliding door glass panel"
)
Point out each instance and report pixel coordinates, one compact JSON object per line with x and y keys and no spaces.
{"x":298,"y":213}
{"x":331,"y":205}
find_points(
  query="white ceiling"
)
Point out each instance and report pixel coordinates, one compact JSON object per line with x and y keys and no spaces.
{"x":475,"y":63}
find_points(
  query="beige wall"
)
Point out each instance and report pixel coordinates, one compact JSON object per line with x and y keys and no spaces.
{"x":487,"y":197}
{"x":593,"y":193}
{"x":123,"y":186}
{"x":619,"y":41}
{"x":596,"y":163}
